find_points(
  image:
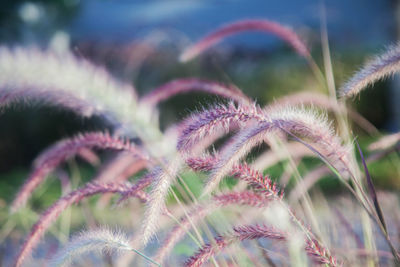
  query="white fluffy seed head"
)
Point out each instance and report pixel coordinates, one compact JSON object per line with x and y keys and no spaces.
{"x":313,"y":125}
{"x":305,"y":123}
{"x":102,"y":240}
{"x":63,"y":80}
{"x":163,"y":178}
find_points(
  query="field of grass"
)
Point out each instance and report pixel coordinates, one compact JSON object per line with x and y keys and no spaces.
{"x":233,"y":159}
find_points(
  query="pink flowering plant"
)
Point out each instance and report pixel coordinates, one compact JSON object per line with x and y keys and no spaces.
{"x":252,"y":220}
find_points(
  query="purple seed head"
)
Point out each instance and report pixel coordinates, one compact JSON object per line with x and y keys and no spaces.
{"x":214,"y":120}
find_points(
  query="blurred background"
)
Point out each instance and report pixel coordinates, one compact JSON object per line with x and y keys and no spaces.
{"x":139,"y":42}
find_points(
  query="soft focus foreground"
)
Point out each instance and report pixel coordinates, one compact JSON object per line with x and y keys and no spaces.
{"x":237,"y":182}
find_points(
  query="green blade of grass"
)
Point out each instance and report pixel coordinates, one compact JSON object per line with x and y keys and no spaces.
{"x":371,"y":189}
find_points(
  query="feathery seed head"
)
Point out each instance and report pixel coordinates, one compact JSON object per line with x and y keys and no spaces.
{"x":49,"y":159}
{"x":376,"y":69}
{"x":54,"y":211}
{"x":72,"y":83}
{"x":161,"y":183}
{"x":214,"y":120}
{"x":101,"y":240}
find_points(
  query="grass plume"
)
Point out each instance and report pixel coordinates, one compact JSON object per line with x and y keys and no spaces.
{"x":100,"y":240}
{"x":49,"y":159}
{"x":260,"y":25}
{"x":54,"y":211}
{"x":63,"y":80}
{"x":180,"y":86}
{"x":376,"y":69}
{"x":246,"y":198}
{"x":251,"y":232}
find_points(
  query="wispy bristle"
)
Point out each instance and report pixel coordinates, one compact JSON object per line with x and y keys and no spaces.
{"x":65,"y":149}
{"x":237,"y":27}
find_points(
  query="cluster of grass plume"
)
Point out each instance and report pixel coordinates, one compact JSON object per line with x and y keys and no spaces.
{"x":293,"y":128}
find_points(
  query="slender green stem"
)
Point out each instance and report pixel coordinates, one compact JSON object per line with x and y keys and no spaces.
{"x":146,"y":257}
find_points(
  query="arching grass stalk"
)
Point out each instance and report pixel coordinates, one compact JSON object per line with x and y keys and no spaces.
{"x":306,"y":199}
{"x":363,"y":201}
{"x":101,"y":240}
{"x":341,"y":115}
{"x":146,"y":257}
{"x":378,"y":209}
